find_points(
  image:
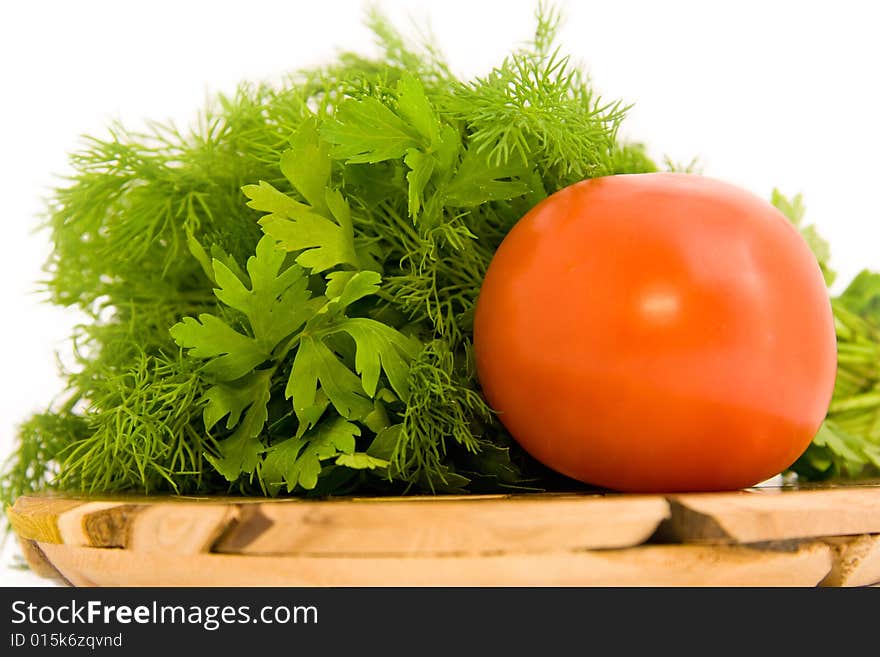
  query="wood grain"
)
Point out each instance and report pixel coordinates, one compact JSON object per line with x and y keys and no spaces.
{"x":761,"y":537}
{"x":856,"y":561}
{"x":445,"y":527}
{"x":36,"y":518}
{"x":660,"y":565}
{"x":772,"y":515}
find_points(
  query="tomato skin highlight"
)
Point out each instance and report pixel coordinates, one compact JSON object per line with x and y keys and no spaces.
{"x":657,"y":332}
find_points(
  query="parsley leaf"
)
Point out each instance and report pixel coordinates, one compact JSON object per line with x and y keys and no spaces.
{"x":298,"y":461}
{"x":322,"y":231}
{"x":378,"y":348}
{"x":421,"y":167}
{"x":314,"y":364}
{"x":417,"y":111}
{"x":240,"y":452}
{"x":367,"y":131}
{"x":361,"y":461}
{"x":306,"y":164}
{"x":232,"y":354}
{"x":276,"y":304}
{"x":479,"y":181}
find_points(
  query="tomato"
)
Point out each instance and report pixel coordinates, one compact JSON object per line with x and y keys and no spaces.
{"x":657,"y":332}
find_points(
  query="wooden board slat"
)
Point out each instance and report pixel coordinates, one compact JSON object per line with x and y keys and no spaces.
{"x":655,"y":565}
{"x":364,"y":526}
{"x":445,"y":527}
{"x":773,"y":515}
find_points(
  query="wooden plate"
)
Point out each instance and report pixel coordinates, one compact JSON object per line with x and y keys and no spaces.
{"x":826,"y":536}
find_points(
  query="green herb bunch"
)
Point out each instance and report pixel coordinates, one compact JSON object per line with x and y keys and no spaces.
{"x":280,"y":300}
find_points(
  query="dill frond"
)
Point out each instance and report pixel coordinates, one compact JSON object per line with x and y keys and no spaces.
{"x":440,"y":412}
{"x":142,"y":431}
{"x":37,"y":463}
{"x":540,"y":110}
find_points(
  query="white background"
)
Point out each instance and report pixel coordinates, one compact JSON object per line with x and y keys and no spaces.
{"x":765,"y":93}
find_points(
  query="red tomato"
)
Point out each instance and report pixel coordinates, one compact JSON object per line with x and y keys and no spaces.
{"x":657,"y":332}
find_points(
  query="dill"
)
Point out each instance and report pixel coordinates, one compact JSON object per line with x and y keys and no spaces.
{"x":281,"y":297}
